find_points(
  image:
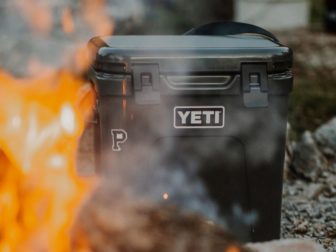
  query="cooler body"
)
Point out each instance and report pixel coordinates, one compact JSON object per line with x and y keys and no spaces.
{"x":214,"y":106}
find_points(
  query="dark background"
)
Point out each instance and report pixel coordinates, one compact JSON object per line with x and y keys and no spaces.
{"x":175,"y":16}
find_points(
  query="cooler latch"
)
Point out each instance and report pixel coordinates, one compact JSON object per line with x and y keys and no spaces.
{"x":255,"y":86}
{"x":146,"y":83}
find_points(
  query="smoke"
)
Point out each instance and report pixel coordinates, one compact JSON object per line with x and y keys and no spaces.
{"x":125,"y":9}
{"x":36,"y":35}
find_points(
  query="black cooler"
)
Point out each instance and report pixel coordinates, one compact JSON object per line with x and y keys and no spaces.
{"x":212,"y":103}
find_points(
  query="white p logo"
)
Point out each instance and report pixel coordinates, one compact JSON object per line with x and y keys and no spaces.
{"x":119,"y":136}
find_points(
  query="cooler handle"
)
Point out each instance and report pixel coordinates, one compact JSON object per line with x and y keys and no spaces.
{"x":230,"y":28}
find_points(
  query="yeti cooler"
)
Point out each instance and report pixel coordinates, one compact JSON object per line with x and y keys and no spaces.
{"x":210,"y":105}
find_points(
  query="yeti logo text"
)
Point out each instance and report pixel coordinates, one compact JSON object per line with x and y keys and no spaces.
{"x":119,"y":136}
{"x":199,"y":117}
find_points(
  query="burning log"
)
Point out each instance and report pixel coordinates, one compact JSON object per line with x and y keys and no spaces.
{"x":114,"y":221}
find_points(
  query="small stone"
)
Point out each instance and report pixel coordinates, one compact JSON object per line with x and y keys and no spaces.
{"x":318,"y":227}
{"x":302,"y":207}
{"x":331,"y":180}
{"x":302,"y":228}
{"x":330,"y":192}
{"x":315,"y":190}
{"x":332,"y":233}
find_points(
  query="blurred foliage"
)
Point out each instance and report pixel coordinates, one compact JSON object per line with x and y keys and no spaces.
{"x":317,"y":13}
{"x":312,"y":102}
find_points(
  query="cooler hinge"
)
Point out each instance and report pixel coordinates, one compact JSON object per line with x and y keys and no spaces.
{"x":255,"y":85}
{"x":146,"y":83}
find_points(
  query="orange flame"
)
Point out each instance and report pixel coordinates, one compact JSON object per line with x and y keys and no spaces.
{"x":67,"y":21}
{"x":37,"y":14}
{"x":81,"y":59}
{"x":232,"y":248}
{"x":93,"y":12}
{"x":41,"y":120}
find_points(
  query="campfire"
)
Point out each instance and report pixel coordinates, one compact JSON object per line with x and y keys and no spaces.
{"x":42,"y":116}
{"x":41,"y":121}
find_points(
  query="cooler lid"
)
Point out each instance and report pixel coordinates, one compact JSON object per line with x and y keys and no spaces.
{"x":189,"y":53}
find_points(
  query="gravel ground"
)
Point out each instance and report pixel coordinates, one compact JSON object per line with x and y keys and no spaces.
{"x":309,"y":192}
{"x":309,"y":198}
{"x":309,"y":211}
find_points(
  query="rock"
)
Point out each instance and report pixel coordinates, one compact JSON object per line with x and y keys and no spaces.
{"x":331,"y":233}
{"x":286,"y":245}
{"x":332,"y":167}
{"x":308,"y":161}
{"x":331,"y":180}
{"x":325,"y":137}
{"x":330,"y":191}
{"x":313,"y":191}
{"x":314,"y":213}
{"x":302,"y":228}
